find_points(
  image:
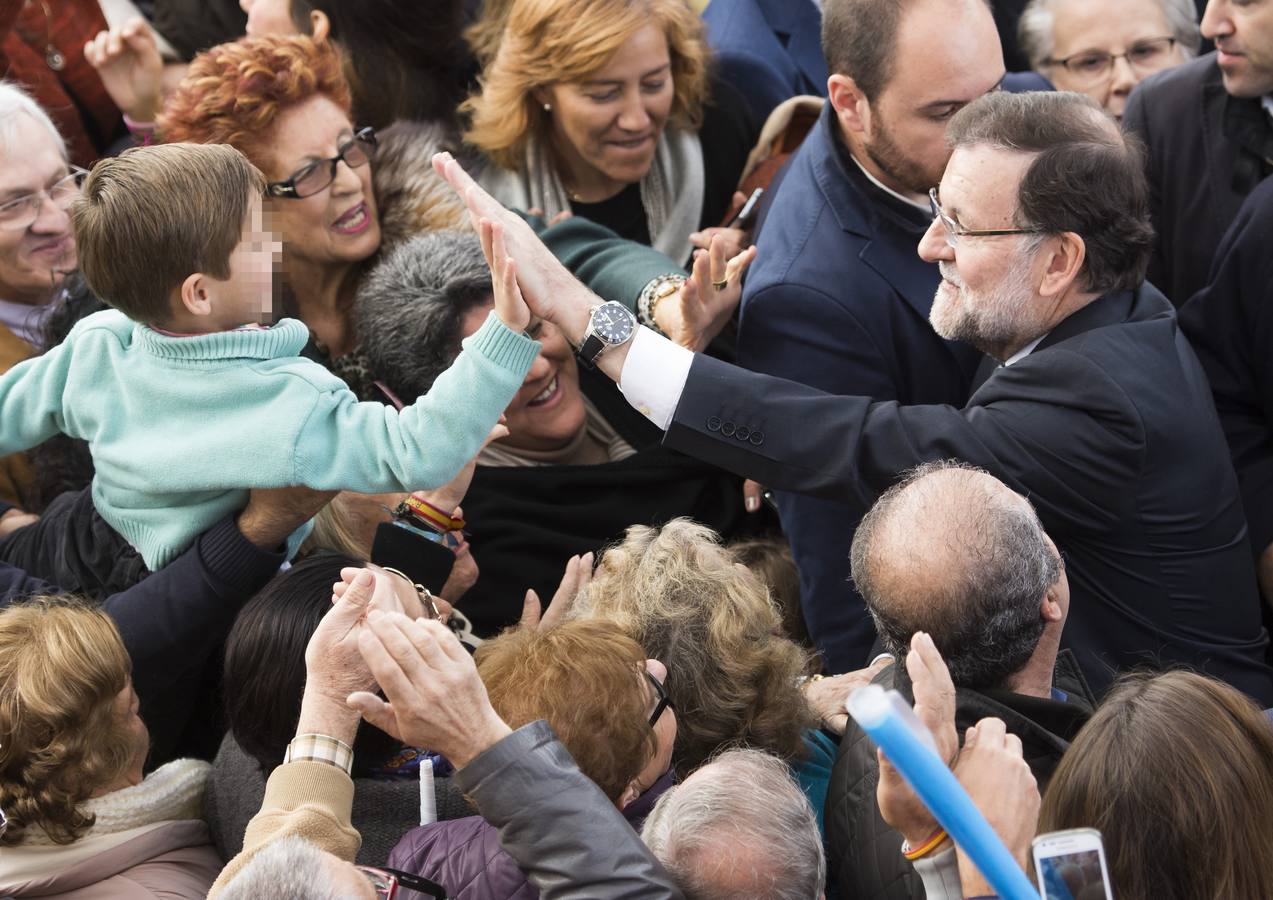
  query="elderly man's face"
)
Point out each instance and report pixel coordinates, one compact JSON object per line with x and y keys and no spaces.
{"x":1243,"y":32}
{"x":948,"y":55}
{"x":987,"y":296}
{"x":34,"y":259}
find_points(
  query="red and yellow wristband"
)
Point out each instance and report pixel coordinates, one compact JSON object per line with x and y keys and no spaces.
{"x":913,"y":853}
{"x":431,"y":516}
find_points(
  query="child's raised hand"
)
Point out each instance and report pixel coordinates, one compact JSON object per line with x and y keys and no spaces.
{"x":509,"y":305}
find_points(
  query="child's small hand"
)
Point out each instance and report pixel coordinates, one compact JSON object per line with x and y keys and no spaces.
{"x":509,"y":305}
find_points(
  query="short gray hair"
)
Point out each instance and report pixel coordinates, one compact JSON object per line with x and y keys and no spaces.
{"x":952,"y":551}
{"x":411,"y":306}
{"x":741,"y":831}
{"x":1034,"y":28}
{"x":290,"y":868}
{"x":14,"y":101}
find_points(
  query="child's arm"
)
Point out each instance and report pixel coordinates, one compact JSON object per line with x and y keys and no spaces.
{"x":31,"y":400}
{"x":370,"y":448}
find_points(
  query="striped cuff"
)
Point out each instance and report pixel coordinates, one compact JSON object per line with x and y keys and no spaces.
{"x":320,"y":748}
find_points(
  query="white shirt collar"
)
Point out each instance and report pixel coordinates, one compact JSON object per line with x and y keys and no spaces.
{"x":1026,"y":350}
{"x":1268,"y":104}
{"x":888,"y":190}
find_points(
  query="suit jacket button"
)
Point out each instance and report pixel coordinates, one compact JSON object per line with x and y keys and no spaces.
{"x":742,"y":433}
{"x":713,"y":423}
{"x":757,"y":438}
{"x":727,"y":429}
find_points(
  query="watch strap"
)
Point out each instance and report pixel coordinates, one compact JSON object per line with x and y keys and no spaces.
{"x":590,"y":349}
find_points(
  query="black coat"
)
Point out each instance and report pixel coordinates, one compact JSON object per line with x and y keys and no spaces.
{"x":1231,"y":326}
{"x":1207,"y":151}
{"x":1108,"y":427}
{"x":864,"y":853}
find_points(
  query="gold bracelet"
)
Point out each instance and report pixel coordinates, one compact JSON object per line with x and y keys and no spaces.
{"x":426,"y":597}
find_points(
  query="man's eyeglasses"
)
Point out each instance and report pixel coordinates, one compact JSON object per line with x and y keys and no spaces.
{"x":21,"y":212}
{"x":664,"y":701}
{"x":387,"y":881}
{"x":1145,"y":57}
{"x":320,"y":173}
{"x":955,"y":231}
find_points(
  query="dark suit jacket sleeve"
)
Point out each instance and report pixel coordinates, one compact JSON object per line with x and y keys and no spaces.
{"x":1136,"y":123}
{"x":1058,"y":429}
{"x":1230,"y":324}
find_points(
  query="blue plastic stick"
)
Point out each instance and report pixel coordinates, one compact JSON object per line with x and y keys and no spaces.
{"x":890,"y":722}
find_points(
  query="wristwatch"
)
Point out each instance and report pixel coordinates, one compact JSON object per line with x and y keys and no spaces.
{"x":609,"y":325}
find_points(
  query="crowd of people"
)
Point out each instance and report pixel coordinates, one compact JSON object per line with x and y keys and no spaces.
{"x":476,"y":448}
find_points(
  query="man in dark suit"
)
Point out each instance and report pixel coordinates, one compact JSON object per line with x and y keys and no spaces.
{"x":768,"y":49}
{"x":837,"y":298}
{"x":1208,"y":126}
{"x":1098,"y":411}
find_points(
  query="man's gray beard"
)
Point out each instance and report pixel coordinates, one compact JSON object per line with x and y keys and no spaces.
{"x":990,"y":321}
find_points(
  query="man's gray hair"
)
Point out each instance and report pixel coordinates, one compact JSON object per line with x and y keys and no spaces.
{"x":290,"y":868}
{"x":952,"y":551}
{"x":411,"y":306}
{"x":13,"y":102}
{"x":1035,"y":28}
{"x":741,"y":830}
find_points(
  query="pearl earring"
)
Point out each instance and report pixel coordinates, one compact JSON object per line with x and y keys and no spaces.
{"x":548,"y":107}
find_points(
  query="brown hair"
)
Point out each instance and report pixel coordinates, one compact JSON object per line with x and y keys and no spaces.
{"x":585,"y":679}
{"x":681,"y":596}
{"x":1176,"y":772}
{"x":770,"y":560}
{"x":62,"y":664}
{"x":152,"y":216}
{"x":549,"y":41}
{"x":233,"y":93}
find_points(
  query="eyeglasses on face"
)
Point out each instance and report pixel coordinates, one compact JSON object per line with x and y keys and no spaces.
{"x":316,"y":176}
{"x":1145,"y":57}
{"x":22,"y":211}
{"x":664,"y":701}
{"x":386,"y":883}
{"x":955,"y":231}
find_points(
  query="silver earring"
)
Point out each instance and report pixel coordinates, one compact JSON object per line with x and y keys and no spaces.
{"x":548,"y":107}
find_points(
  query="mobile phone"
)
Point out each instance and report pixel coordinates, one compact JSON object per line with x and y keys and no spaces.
{"x":1071,"y":865}
{"x":745,"y":215}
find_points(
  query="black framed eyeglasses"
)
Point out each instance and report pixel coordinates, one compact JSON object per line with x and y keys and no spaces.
{"x":320,"y":173}
{"x":664,"y":701}
{"x":1145,"y":57}
{"x":954,"y":231}
{"x":386,"y":883}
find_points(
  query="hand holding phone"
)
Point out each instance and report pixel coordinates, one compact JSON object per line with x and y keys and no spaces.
{"x":1071,"y":865}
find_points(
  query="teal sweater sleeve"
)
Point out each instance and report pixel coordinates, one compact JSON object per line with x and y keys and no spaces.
{"x":367,"y":447}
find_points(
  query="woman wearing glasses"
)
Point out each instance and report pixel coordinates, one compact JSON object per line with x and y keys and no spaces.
{"x":1103,"y":48}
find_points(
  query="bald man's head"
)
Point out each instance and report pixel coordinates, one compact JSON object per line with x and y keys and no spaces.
{"x":953,"y":551}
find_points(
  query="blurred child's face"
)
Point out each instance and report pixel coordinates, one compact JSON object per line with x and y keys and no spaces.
{"x":247,"y":296}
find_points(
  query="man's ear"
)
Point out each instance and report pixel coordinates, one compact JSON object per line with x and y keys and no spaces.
{"x":195,"y":295}
{"x":320,"y":27}
{"x":1050,"y":610}
{"x":630,"y":793}
{"x":1064,"y":264}
{"x":850,"y":104}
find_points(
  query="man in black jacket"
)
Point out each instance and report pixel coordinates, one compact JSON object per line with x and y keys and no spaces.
{"x":1093,"y":404}
{"x":951,"y":551}
{"x":1208,"y":126}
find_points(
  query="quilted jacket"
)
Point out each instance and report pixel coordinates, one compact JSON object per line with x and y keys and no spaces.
{"x":865,"y":854}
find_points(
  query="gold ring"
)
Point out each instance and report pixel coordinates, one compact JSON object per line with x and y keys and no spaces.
{"x":720,"y":285}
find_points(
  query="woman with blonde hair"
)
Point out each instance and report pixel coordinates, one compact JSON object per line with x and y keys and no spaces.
{"x":81,"y":818}
{"x":605,"y":108}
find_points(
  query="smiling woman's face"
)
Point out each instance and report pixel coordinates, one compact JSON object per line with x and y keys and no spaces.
{"x":340,"y":223}
{"x":548,"y":412}
{"x":34,"y":259}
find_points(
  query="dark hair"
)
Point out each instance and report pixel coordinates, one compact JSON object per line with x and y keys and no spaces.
{"x":410,"y":308}
{"x":265,"y":662}
{"x":1086,"y":177}
{"x":770,"y":560}
{"x":859,"y":39}
{"x":951,"y":551}
{"x":1176,"y":771}
{"x":403,"y":60}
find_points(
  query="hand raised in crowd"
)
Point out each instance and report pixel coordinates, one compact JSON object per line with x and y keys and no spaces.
{"x":435,"y":697}
{"x":128,"y":62}
{"x":334,"y":667}
{"x":993,"y":771}
{"x":272,"y":514}
{"x":934,"y":692}
{"x":577,"y":577}
{"x":827,"y":696}
{"x":509,"y":304}
{"x":708,"y":298}
{"x":464,"y":571}
{"x":391,"y":593}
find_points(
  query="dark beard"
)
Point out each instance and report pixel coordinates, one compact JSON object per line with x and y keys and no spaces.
{"x":905,"y":174}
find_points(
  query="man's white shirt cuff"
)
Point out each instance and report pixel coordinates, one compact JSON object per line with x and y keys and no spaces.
{"x":654,"y":376}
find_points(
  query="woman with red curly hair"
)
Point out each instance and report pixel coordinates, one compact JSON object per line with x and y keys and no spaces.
{"x":80,"y":816}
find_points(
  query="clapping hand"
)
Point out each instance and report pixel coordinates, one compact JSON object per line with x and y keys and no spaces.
{"x":577,"y":577}
{"x":708,"y":298}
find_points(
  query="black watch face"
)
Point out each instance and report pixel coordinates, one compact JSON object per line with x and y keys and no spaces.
{"x":612,"y":323}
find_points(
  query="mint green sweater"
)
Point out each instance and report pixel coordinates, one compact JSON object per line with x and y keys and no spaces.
{"x":181,"y":427}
